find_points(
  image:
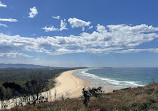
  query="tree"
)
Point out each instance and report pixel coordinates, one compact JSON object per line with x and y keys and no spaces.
{"x":1,"y":96}
{"x":34,"y":87}
{"x":86,"y":96}
{"x":87,"y":93}
{"x":95,"y":92}
{"x":16,"y":89}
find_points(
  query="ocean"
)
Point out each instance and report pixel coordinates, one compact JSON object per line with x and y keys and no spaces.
{"x":119,"y":77}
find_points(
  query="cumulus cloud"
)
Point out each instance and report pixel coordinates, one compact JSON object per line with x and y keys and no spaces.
{"x":49,"y":29}
{"x":154,"y":50}
{"x":3,"y":25}
{"x":106,"y":39}
{"x":14,"y":55}
{"x":77,"y":23}
{"x":56,"y":17}
{"x":101,"y":28}
{"x":2,"y":5}
{"x":8,"y":20}
{"x":63,"y":25}
{"x":33,"y":12}
{"x":90,"y":27}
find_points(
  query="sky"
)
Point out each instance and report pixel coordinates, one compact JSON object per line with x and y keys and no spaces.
{"x":70,"y":33}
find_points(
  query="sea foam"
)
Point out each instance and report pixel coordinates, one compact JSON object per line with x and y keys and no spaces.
{"x":88,"y":76}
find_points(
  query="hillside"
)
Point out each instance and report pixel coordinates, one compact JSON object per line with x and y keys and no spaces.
{"x":28,"y":66}
{"x":129,"y":99}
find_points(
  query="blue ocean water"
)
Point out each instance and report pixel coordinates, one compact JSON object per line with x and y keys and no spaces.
{"x":123,"y":77}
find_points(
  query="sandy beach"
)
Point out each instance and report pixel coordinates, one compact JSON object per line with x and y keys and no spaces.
{"x":68,"y":86}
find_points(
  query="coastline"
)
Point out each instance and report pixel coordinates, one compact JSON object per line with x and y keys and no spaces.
{"x":68,"y":86}
{"x":106,"y":87}
{"x":74,"y":86}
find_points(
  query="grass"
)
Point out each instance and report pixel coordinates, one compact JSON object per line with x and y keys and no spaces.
{"x":129,"y":99}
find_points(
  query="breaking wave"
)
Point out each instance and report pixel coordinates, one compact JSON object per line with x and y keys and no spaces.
{"x":109,"y":80}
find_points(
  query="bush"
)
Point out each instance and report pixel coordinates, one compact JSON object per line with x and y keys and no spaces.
{"x":95,"y":92}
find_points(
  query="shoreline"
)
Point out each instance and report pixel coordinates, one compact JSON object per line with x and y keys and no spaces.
{"x":106,"y":87}
{"x":68,"y":86}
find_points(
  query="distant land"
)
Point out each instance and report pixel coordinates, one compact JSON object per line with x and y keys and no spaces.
{"x":32,"y":66}
{"x":28,"y":66}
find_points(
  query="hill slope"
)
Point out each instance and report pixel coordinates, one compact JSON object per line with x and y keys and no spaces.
{"x":129,"y":99}
{"x":28,"y":66}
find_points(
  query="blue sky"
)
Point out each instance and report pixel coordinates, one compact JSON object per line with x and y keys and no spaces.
{"x":122,"y":33}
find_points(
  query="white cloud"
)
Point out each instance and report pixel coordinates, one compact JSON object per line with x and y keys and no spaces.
{"x":90,"y":27}
{"x":8,"y":20}
{"x":106,"y":39}
{"x":132,"y":29}
{"x":101,"y":28}
{"x":14,"y":55}
{"x":33,"y":12}
{"x":63,"y":25}
{"x":154,"y":50}
{"x":56,"y":17}
{"x":49,"y":29}
{"x":2,"y":5}
{"x":3,"y":25}
{"x":77,"y":23}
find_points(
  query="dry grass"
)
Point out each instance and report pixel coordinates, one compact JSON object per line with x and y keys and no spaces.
{"x":129,"y":99}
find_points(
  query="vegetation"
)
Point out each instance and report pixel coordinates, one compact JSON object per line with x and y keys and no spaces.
{"x":26,"y":85}
{"x":21,"y":75}
{"x":21,"y":78}
{"x":129,"y":99}
{"x":91,"y":92}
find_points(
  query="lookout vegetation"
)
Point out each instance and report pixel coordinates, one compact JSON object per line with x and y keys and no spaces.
{"x":19,"y":87}
{"x":30,"y":93}
{"x":93,"y":99}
